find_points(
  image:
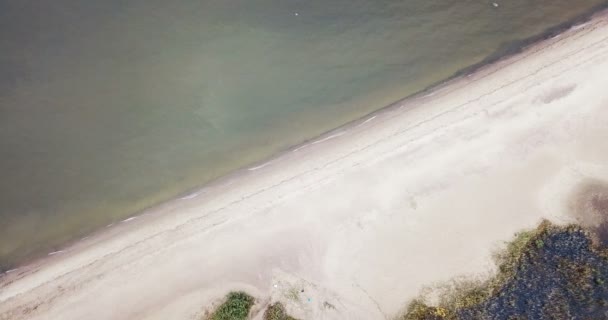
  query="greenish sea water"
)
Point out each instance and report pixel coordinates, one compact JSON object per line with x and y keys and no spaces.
{"x":109,"y":107}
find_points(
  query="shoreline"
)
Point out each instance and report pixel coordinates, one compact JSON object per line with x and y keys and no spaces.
{"x":215,"y":201}
{"x":501,"y":54}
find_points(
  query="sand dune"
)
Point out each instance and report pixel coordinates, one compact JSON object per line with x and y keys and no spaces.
{"x":424,"y":192}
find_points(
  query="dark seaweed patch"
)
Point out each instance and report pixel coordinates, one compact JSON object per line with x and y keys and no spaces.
{"x":550,"y":273}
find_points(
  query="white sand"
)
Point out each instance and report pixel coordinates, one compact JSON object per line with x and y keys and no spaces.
{"x":362,"y":218}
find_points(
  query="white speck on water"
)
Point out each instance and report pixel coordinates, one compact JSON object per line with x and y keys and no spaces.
{"x":495,"y":4}
{"x":296,"y":14}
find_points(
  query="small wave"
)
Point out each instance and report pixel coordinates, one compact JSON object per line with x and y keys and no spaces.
{"x":330,"y":137}
{"x":11,"y":271}
{"x":56,"y":252}
{"x":129,"y":219}
{"x":579,"y":26}
{"x":366,"y":121}
{"x":441,"y":88}
{"x":301,"y":147}
{"x":260,"y":166}
{"x":190,"y":196}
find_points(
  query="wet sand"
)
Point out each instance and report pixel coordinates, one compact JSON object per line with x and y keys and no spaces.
{"x":361,"y":218}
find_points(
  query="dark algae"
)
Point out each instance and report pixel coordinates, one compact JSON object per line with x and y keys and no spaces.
{"x":553,"y":272}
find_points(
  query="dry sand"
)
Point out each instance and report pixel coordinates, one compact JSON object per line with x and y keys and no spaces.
{"x":364,"y":217}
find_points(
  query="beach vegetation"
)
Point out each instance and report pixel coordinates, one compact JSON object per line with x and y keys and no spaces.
{"x":551,"y":272}
{"x":293,"y":294}
{"x":276,"y":311}
{"x":235,"y":307}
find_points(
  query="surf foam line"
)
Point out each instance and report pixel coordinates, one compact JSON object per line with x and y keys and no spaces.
{"x":330,"y":137}
{"x":579,"y":26}
{"x":301,"y":147}
{"x":261,"y":166}
{"x":366,"y":121}
{"x":191,"y":196}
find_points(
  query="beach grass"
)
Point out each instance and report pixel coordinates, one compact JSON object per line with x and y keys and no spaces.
{"x":551,"y":272}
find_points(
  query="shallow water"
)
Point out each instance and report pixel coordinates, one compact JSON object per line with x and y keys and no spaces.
{"x":109,"y":107}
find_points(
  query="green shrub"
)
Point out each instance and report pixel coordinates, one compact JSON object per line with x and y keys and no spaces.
{"x":236,"y":307}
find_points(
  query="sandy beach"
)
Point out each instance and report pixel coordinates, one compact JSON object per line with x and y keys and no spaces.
{"x":362,"y":218}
